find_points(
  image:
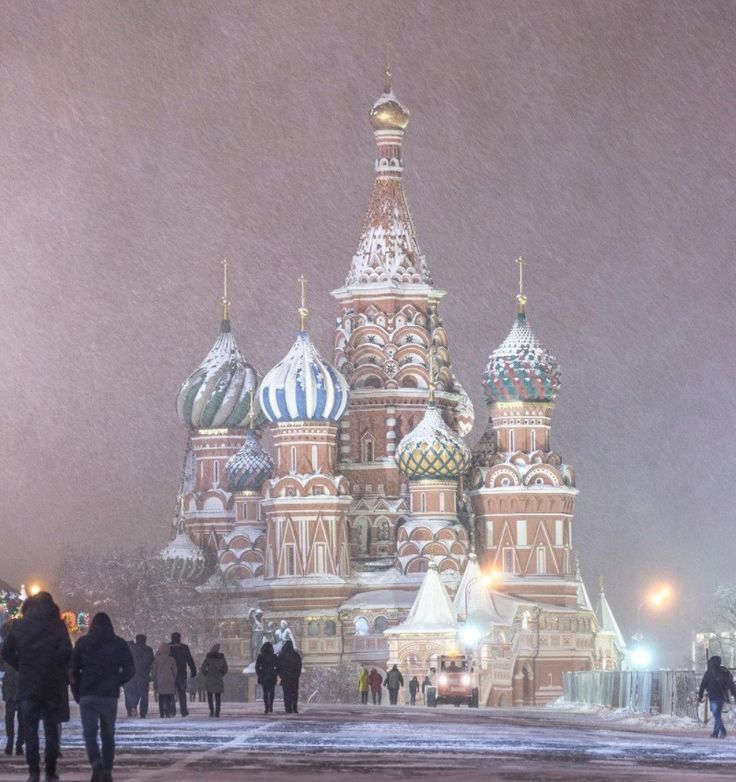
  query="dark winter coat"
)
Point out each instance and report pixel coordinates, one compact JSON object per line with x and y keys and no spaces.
{"x":183,"y":659}
{"x":10,"y":682}
{"x":101,"y":661}
{"x":289,"y":664}
{"x":38,"y":647}
{"x":143,"y":660}
{"x":213,"y":670}
{"x":413,"y":685}
{"x":163,"y":671}
{"x":267,"y":666}
{"x":717,"y":681}
{"x":375,"y":680}
{"x":394,"y":679}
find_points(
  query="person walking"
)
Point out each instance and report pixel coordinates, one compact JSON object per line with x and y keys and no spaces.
{"x":426,"y":682}
{"x":38,"y":647}
{"x":163,"y":673}
{"x":101,"y":663}
{"x":413,"y":689}
{"x":718,"y":683}
{"x":140,"y":684}
{"x":12,"y":705}
{"x":394,"y":680}
{"x":183,"y":658}
{"x":375,"y":681}
{"x":290,"y":669}
{"x":363,"y":686}
{"x":213,"y":671}
{"x":267,"y":673}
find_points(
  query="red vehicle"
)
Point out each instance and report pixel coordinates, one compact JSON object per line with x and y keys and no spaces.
{"x":454,"y":682}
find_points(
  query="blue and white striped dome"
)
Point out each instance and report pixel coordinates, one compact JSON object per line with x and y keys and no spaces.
{"x":303,"y":387}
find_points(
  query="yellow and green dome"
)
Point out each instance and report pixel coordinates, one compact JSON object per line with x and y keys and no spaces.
{"x":432,"y":450}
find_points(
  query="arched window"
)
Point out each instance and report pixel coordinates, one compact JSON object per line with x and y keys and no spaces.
{"x":380,"y":624}
{"x":368,"y":445}
{"x":313,"y":629}
{"x":329,"y":628}
{"x":361,"y":626}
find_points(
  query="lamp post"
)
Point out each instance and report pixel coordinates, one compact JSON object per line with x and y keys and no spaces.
{"x":485,"y":578}
{"x":655,"y":599}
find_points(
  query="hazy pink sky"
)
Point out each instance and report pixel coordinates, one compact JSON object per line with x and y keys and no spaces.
{"x":143,"y":140}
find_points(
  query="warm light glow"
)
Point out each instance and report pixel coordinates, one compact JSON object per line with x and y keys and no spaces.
{"x":34,"y":589}
{"x":660,"y":596}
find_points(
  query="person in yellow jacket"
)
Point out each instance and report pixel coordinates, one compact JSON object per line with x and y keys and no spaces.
{"x":363,"y":686}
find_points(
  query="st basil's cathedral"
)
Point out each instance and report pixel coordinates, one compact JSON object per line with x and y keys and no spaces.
{"x":372,"y":528}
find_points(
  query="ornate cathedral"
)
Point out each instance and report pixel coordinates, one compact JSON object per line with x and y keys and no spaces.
{"x":371,"y":527}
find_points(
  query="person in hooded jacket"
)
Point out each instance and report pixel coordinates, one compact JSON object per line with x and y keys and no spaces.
{"x":136,"y":696}
{"x":183,"y":658}
{"x":213,"y":671}
{"x":12,"y":706}
{"x":413,"y":689}
{"x":363,"y":685}
{"x":718,"y":683}
{"x":38,"y":647}
{"x":101,"y":665}
{"x":267,"y":674}
{"x":290,"y":669}
{"x":394,"y":680}
{"x":163,"y":674}
{"x":375,"y":680}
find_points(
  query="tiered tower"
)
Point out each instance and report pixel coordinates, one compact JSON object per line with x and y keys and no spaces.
{"x":306,"y":502}
{"x":523,"y":496}
{"x":213,"y":402}
{"x":388,"y":320}
{"x":433,"y":458}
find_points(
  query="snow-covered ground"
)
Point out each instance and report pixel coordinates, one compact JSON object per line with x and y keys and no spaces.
{"x":347,"y":742}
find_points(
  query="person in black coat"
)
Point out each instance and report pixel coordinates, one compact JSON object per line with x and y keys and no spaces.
{"x":718,"y":683}
{"x":267,"y":673}
{"x":101,"y":664}
{"x":12,"y":705}
{"x":289,"y":668}
{"x":38,"y":647}
{"x":136,"y":690}
{"x":183,"y":658}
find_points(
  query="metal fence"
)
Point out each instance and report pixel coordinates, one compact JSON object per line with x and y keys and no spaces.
{"x":648,"y":692}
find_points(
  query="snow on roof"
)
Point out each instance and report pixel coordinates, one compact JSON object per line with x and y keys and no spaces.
{"x":583,"y":597}
{"x":432,"y":611}
{"x":607,"y":621}
{"x":472,"y":599}
{"x":381,"y":598}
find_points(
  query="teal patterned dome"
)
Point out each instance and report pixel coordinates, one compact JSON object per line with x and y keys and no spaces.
{"x":217,"y":394}
{"x":432,"y":450}
{"x":250,"y":466}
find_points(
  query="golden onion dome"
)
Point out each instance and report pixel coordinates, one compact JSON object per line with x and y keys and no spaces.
{"x":387,"y":113}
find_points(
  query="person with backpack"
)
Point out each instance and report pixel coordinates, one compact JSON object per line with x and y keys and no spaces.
{"x":213,"y":671}
{"x":394,"y":680}
{"x":101,"y":664}
{"x":718,"y":683}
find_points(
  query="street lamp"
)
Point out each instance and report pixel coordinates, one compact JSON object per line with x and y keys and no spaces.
{"x":654,"y":599}
{"x":34,"y":589}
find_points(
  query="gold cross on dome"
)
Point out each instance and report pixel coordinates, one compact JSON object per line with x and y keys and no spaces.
{"x":520,"y":260}
{"x":225,"y":300}
{"x":303,"y":311}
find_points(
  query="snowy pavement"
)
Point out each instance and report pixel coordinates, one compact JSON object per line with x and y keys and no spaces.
{"x":348,"y":742}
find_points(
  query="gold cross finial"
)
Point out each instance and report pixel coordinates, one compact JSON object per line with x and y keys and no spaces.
{"x":387,"y":72}
{"x":251,"y":419}
{"x":225,"y":300}
{"x":521,"y":298}
{"x":303,"y":311}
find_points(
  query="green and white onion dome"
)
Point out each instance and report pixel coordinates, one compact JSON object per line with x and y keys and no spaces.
{"x":250,"y":466}
{"x":432,"y":450}
{"x":521,"y":369}
{"x":184,"y":560}
{"x":217,"y":394}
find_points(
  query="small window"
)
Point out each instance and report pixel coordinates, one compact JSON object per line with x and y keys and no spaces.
{"x":290,"y":561}
{"x":442,"y":502}
{"x":368,"y":449}
{"x":329,"y":628}
{"x":313,"y":629}
{"x":489,"y":534}
{"x":380,"y":624}
{"x":508,"y":560}
{"x":290,"y":491}
{"x":541,"y":560}
{"x":216,"y":471}
{"x":505,"y":482}
{"x":361,"y":626}
{"x":315,"y":459}
{"x":521,"y":532}
{"x":511,"y":440}
{"x":318,"y":490}
{"x":534,"y":440}
{"x":559,"y":533}
{"x":293,"y":458}
{"x":423,"y":503}
{"x":320,"y":558}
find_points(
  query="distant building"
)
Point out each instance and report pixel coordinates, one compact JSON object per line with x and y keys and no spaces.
{"x":371,"y":488}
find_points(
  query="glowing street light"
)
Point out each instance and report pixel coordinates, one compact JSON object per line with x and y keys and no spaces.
{"x":34,"y":589}
{"x":655,"y":599}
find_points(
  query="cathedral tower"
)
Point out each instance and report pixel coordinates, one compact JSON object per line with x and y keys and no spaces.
{"x":388,"y":319}
{"x":522,"y":495}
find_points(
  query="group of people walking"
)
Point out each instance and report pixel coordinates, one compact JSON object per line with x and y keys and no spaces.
{"x":285,"y":666}
{"x":373,"y":682}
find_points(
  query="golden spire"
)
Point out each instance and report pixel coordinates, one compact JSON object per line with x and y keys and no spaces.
{"x":521,"y":298}
{"x":387,"y":69}
{"x":430,"y":398}
{"x":225,"y":301}
{"x":250,"y":420}
{"x":303,"y":311}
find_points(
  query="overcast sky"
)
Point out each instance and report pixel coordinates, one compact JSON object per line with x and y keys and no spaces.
{"x":141,"y":141}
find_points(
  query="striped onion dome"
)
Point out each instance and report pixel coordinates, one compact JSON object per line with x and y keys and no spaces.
{"x":521,"y":369}
{"x":250,"y":466}
{"x":184,"y":559}
{"x":432,"y":449}
{"x":216,"y":394}
{"x":303,"y":387}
